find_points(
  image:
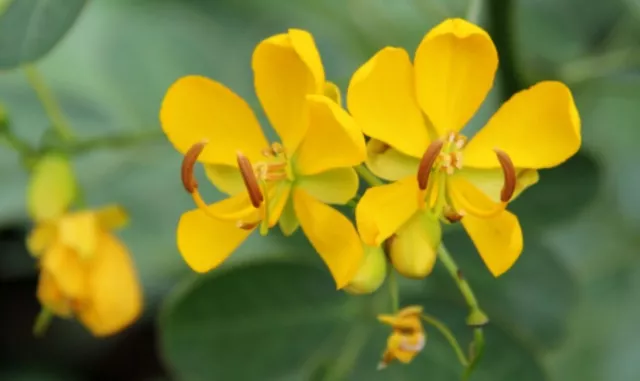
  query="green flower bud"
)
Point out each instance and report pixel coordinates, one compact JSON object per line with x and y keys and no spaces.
{"x":413,"y":248}
{"x":371,"y":274}
{"x":52,"y":188}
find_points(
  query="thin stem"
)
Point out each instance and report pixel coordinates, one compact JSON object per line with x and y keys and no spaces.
{"x":476,"y":351}
{"x":446,"y":332}
{"x":474,"y":11}
{"x":393,"y":290}
{"x":49,"y":102}
{"x":10,"y":140}
{"x":115,"y":141}
{"x":477,"y":318}
{"x":456,"y":274}
{"x":367,"y":175}
{"x":42,"y":322}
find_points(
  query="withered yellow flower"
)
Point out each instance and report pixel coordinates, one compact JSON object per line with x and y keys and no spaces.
{"x":289,"y":183}
{"x":85,"y":271}
{"x":414,"y":113}
{"x":407,"y":338}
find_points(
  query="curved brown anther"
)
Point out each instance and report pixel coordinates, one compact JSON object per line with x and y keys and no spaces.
{"x":509,"y":171}
{"x":247,"y":225}
{"x":427,"y":161}
{"x":250,"y":181}
{"x":453,"y":216}
{"x":188,"y":162}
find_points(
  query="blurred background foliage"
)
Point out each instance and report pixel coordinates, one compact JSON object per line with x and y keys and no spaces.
{"x":568,"y":310}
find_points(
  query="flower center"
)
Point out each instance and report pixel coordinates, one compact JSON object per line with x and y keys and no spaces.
{"x":442,"y":159}
{"x":267,"y":183}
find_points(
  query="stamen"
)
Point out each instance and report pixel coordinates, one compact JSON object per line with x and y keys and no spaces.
{"x":267,"y":152}
{"x":247,"y":225}
{"x":250,"y":181}
{"x":452,"y":216}
{"x":277,"y":148}
{"x":188,"y":162}
{"x":461,"y":141}
{"x":509,"y":171}
{"x":426,"y":163}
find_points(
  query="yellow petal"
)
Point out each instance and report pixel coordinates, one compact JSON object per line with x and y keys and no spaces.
{"x":234,"y":208}
{"x":197,"y":108}
{"x":115,"y":297}
{"x":205,"y":242}
{"x":41,"y":238}
{"x":455,"y":65}
{"x":335,"y":186}
{"x":382,"y":210}
{"x":67,"y":269}
{"x":491,"y":181}
{"x":388,"y":163}
{"x":498,"y":239}
{"x":50,"y":295}
{"x":412,"y":249}
{"x":538,"y":128}
{"x":288,"y":221}
{"x":112,"y":217}
{"x":333,"y":140}
{"x":331,"y":234}
{"x":226,"y":178}
{"x":278,"y":198}
{"x":371,"y":272}
{"x":79,"y":232}
{"x":381,"y":98}
{"x":286,"y":68}
{"x":332,"y":91}
{"x":51,"y":189}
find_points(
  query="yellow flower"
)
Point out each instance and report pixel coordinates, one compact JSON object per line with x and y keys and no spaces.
{"x":408,"y":337}
{"x":414,"y":112}
{"x":85,"y":271}
{"x":289,"y":182}
{"x":371,"y":272}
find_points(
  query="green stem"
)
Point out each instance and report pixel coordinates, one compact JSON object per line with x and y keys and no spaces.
{"x":456,"y":274}
{"x":476,"y":351}
{"x":367,"y":175}
{"x":446,"y":332}
{"x":115,"y":141}
{"x":393,"y":290}
{"x":49,"y":102}
{"x":12,"y":141}
{"x":474,"y":11}
{"x":477,"y":318}
{"x":42,"y":322}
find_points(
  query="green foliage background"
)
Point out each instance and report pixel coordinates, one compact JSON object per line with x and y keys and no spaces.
{"x":568,"y":310}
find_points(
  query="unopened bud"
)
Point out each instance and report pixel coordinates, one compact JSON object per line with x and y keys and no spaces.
{"x":52,"y":188}
{"x":371,"y":274}
{"x":413,"y":248}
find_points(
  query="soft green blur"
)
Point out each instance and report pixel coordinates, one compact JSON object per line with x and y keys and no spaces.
{"x":568,"y":310}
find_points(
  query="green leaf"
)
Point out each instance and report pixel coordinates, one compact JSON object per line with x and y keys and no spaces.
{"x":285,"y":320}
{"x":29,"y":29}
{"x":533,"y":299}
{"x":561,"y":193}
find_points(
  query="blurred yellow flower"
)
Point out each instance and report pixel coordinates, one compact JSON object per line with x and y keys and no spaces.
{"x":408,"y":337}
{"x":85,"y":271}
{"x":414,"y":112}
{"x":289,"y":182}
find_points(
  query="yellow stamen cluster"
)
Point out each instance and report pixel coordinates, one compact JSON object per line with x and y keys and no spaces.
{"x":444,"y":158}
{"x":257,"y":179}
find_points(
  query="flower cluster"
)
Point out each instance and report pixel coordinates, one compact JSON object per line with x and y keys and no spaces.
{"x":85,"y":271}
{"x":413,"y":115}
